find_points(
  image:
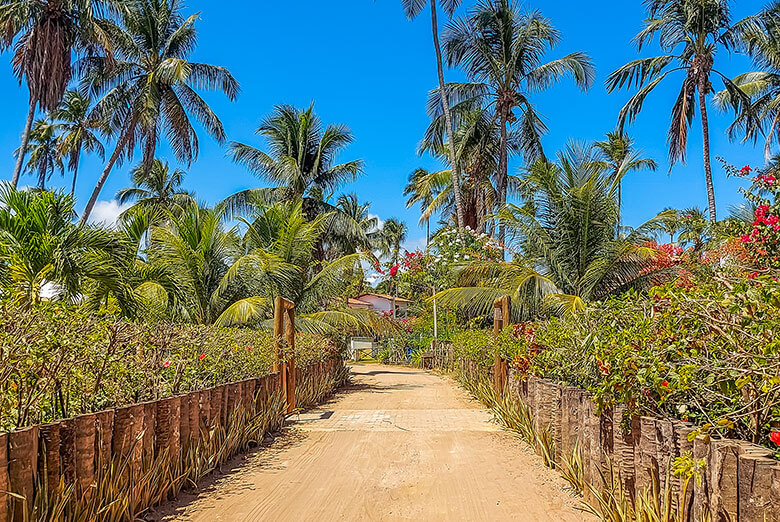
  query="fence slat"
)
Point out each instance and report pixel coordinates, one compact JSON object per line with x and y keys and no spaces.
{"x":22,"y":467}
{"x":4,"y":484}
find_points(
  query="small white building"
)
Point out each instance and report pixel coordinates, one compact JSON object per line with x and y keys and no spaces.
{"x":380,"y":303}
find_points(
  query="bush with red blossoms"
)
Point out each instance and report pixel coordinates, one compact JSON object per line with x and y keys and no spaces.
{"x":706,"y":350}
{"x":761,"y":238}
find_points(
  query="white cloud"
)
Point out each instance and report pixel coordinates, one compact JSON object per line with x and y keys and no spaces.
{"x":107,"y":212}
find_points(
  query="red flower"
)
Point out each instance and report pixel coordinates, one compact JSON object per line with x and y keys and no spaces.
{"x":665,"y":384}
{"x":166,"y":364}
{"x":753,"y":275}
{"x":202,"y":356}
{"x":775,"y":437}
{"x":248,"y":348}
{"x":393,"y":270}
{"x":745,"y":170}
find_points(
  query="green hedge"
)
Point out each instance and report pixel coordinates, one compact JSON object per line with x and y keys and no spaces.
{"x":57,"y":361}
{"x":708,"y":353}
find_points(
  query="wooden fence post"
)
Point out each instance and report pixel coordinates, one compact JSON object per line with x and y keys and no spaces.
{"x":500,"y":321}
{"x":284,"y":325}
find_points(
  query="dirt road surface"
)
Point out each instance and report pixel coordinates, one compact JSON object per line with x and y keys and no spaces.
{"x":400,"y":444}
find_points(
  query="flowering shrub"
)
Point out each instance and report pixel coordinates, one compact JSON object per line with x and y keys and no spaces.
{"x":707,"y":352}
{"x":761,"y":237}
{"x":56,"y":362}
{"x":448,"y":248}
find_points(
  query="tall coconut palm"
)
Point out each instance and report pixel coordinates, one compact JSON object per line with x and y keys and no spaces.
{"x":691,"y":32}
{"x":413,"y":8}
{"x":44,"y":150}
{"x":45,"y":34}
{"x":301,"y":156}
{"x":620,"y":158}
{"x":78,"y":130}
{"x":566,"y":233}
{"x":364,"y":227}
{"x":761,"y":41}
{"x":694,"y":228}
{"x":671,"y":223}
{"x":502,"y":50}
{"x":149,"y":90}
{"x":392,"y":237}
{"x":423,"y":188}
{"x":156,"y":188}
{"x":476,"y":145}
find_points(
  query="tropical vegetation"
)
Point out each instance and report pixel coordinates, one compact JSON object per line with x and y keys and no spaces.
{"x":672,"y":316}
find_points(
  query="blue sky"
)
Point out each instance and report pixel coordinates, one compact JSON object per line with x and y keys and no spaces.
{"x":365,"y":65}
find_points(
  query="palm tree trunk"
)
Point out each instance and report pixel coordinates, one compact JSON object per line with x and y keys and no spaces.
{"x":120,"y":147}
{"x":427,"y":231}
{"x":445,"y":105}
{"x":705,"y":129}
{"x":25,"y":141}
{"x":75,"y":171}
{"x":619,"y":208}
{"x":503,"y":174}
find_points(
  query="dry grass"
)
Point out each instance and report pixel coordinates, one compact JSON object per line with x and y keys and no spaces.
{"x":124,"y":489}
{"x":611,"y":502}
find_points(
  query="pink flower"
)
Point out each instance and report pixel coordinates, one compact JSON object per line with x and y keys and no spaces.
{"x":745,"y":238}
{"x":166,"y":364}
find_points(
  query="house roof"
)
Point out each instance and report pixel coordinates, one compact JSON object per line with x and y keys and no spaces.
{"x":358,"y":302}
{"x":388,"y":297}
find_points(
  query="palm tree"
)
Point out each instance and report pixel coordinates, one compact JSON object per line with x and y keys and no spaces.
{"x":45,"y":157}
{"x":413,"y":8}
{"x":40,"y":245}
{"x":78,"y":130}
{"x":44,"y":34}
{"x":694,"y":228}
{"x":761,"y":41}
{"x":620,"y":158}
{"x":566,"y":232}
{"x":199,"y":252}
{"x":423,"y":188}
{"x":502,"y":50}
{"x":392,"y":237}
{"x":361,"y":234}
{"x":671,"y":224}
{"x":690,"y":32}
{"x":149,"y":90}
{"x":476,"y":145}
{"x":156,"y":188}
{"x":279,"y":235}
{"x":301,"y":156}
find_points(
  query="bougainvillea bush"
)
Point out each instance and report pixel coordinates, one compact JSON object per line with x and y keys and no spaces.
{"x":759,"y":232}
{"x":57,"y":361}
{"x":703,"y":351}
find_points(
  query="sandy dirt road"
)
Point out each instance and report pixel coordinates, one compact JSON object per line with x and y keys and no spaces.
{"x":400,"y":444}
